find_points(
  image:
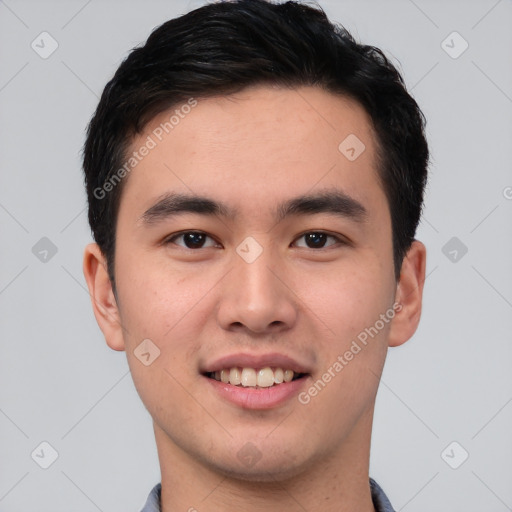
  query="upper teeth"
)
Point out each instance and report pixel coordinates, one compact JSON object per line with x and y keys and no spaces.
{"x":250,"y":377}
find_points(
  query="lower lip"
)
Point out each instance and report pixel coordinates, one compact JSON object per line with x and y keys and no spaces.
{"x":258,"y":398}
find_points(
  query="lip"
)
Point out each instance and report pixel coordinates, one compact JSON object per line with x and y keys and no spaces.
{"x":256,"y":361}
{"x":258,"y":398}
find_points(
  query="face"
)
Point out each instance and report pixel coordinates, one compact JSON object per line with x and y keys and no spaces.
{"x":248,"y":239}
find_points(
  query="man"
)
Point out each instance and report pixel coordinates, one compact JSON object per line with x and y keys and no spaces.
{"x":255,"y":179}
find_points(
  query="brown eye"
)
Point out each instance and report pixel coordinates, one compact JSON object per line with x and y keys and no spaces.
{"x":317,"y":239}
{"x":194,"y":240}
{"x":191,"y":240}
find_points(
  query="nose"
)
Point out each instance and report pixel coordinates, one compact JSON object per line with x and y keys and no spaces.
{"x":256,"y":297}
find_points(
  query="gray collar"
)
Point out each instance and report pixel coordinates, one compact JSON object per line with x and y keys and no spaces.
{"x":380,"y":500}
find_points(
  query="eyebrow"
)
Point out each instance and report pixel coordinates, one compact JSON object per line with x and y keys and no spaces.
{"x":172,"y":204}
{"x":333,"y":202}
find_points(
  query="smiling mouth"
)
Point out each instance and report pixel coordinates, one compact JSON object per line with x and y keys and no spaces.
{"x":255,"y":377}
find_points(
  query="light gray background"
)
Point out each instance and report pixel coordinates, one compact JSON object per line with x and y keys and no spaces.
{"x":60,"y":383}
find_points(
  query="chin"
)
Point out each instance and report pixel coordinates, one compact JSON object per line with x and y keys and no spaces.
{"x":260,"y":473}
{"x":253,"y":465}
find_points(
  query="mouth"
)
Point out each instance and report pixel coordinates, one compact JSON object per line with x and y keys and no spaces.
{"x":256,"y":381}
{"x":247,"y":377}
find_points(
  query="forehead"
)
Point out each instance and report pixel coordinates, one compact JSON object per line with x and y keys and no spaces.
{"x":262,"y":144}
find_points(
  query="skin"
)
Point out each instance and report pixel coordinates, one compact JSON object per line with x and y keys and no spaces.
{"x":253,"y":150}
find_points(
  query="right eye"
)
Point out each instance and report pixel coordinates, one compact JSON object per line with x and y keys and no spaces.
{"x":191,"y":239}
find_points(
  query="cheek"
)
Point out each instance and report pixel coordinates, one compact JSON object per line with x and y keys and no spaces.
{"x":155,"y":298}
{"x":158,"y":304}
{"x":354,"y":348}
{"x":349,"y":300}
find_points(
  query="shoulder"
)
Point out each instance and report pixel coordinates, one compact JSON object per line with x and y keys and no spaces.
{"x":379,"y":498}
{"x":153,"y":501}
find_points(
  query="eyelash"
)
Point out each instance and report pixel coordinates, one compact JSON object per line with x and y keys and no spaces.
{"x":172,"y":238}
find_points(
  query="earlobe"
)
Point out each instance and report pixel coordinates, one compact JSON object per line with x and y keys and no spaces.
{"x":103,"y":300}
{"x":409,"y":295}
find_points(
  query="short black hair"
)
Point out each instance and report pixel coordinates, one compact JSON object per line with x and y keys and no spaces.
{"x":222,"y":48}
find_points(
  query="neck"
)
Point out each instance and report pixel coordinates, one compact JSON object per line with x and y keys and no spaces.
{"x":335,"y":482}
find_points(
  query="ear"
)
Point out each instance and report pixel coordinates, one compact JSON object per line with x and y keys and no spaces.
{"x":409,"y":295}
{"x":103,"y":300}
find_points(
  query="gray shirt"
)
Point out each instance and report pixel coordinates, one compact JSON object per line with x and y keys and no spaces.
{"x":380,"y":500}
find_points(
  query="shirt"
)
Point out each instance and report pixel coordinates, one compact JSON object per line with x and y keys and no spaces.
{"x":380,"y":500}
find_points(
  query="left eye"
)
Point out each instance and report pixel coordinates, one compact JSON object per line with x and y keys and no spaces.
{"x":317,"y":239}
{"x":192,"y":239}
